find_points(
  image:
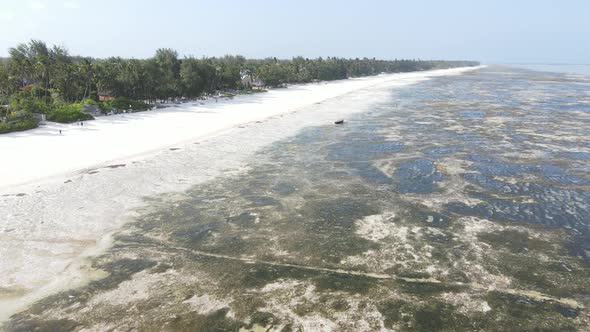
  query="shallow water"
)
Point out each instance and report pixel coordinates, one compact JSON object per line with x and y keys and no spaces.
{"x":575,"y":69}
{"x":459,"y":203}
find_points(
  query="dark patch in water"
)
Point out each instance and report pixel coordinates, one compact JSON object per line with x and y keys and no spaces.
{"x":216,"y":321}
{"x":524,"y":309}
{"x":558,"y":175}
{"x":284,"y":188}
{"x":193,"y":234}
{"x":54,"y":325}
{"x":262,"y":200}
{"x":429,"y":316}
{"x":473,"y":114}
{"x":337,"y":174}
{"x":258,"y":275}
{"x":243,"y":218}
{"x":553,"y":173}
{"x":491,"y":184}
{"x":439,"y":151}
{"x":385,"y":147}
{"x":552,"y":206}
{"x":490,"y":166}
{"x":344,"y":283}
{"x":362,"y":151}
{"x":330,"y":225}
{"x":577,"y":155}
{"x":121,"y":270}
{"x":515,"y":241}
{"x":428,"y":288}
{"x":371,"y":173}
{"x":416,"y":176}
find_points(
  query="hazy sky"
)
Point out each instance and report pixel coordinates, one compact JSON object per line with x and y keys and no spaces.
{"x":490,"y":31}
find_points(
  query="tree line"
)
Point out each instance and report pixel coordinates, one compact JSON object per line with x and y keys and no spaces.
{"x":39,"y":78}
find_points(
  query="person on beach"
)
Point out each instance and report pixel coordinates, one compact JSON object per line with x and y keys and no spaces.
{"x":60,"y":131}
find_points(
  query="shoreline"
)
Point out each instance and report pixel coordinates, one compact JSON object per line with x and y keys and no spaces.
{"x":45,"y":145}
{"x":38,"y":239}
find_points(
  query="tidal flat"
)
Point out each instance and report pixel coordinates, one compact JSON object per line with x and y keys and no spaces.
{"x":461,"y":203}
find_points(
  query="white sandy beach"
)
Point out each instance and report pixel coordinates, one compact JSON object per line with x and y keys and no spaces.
{"x":60,"y":202}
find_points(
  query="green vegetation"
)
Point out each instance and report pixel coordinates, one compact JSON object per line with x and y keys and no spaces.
{"x":21,"y":122}
{"x":48,"y":80}
{"x":122,"y":103}
{"x":66,"y":113}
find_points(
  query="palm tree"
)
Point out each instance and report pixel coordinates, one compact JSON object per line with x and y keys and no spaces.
{"x":86,"y":73}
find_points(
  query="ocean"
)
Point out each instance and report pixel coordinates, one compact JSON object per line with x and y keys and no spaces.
{"x":458,"y":203}
{"x":575,"y":69}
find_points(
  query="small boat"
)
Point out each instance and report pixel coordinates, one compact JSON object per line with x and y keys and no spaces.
{"x":339,"y":122}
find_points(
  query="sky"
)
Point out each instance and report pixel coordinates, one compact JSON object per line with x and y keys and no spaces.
{"x":491,"y":31}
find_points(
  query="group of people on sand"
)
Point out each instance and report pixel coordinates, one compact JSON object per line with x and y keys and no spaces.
{"x":79,"y":124}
